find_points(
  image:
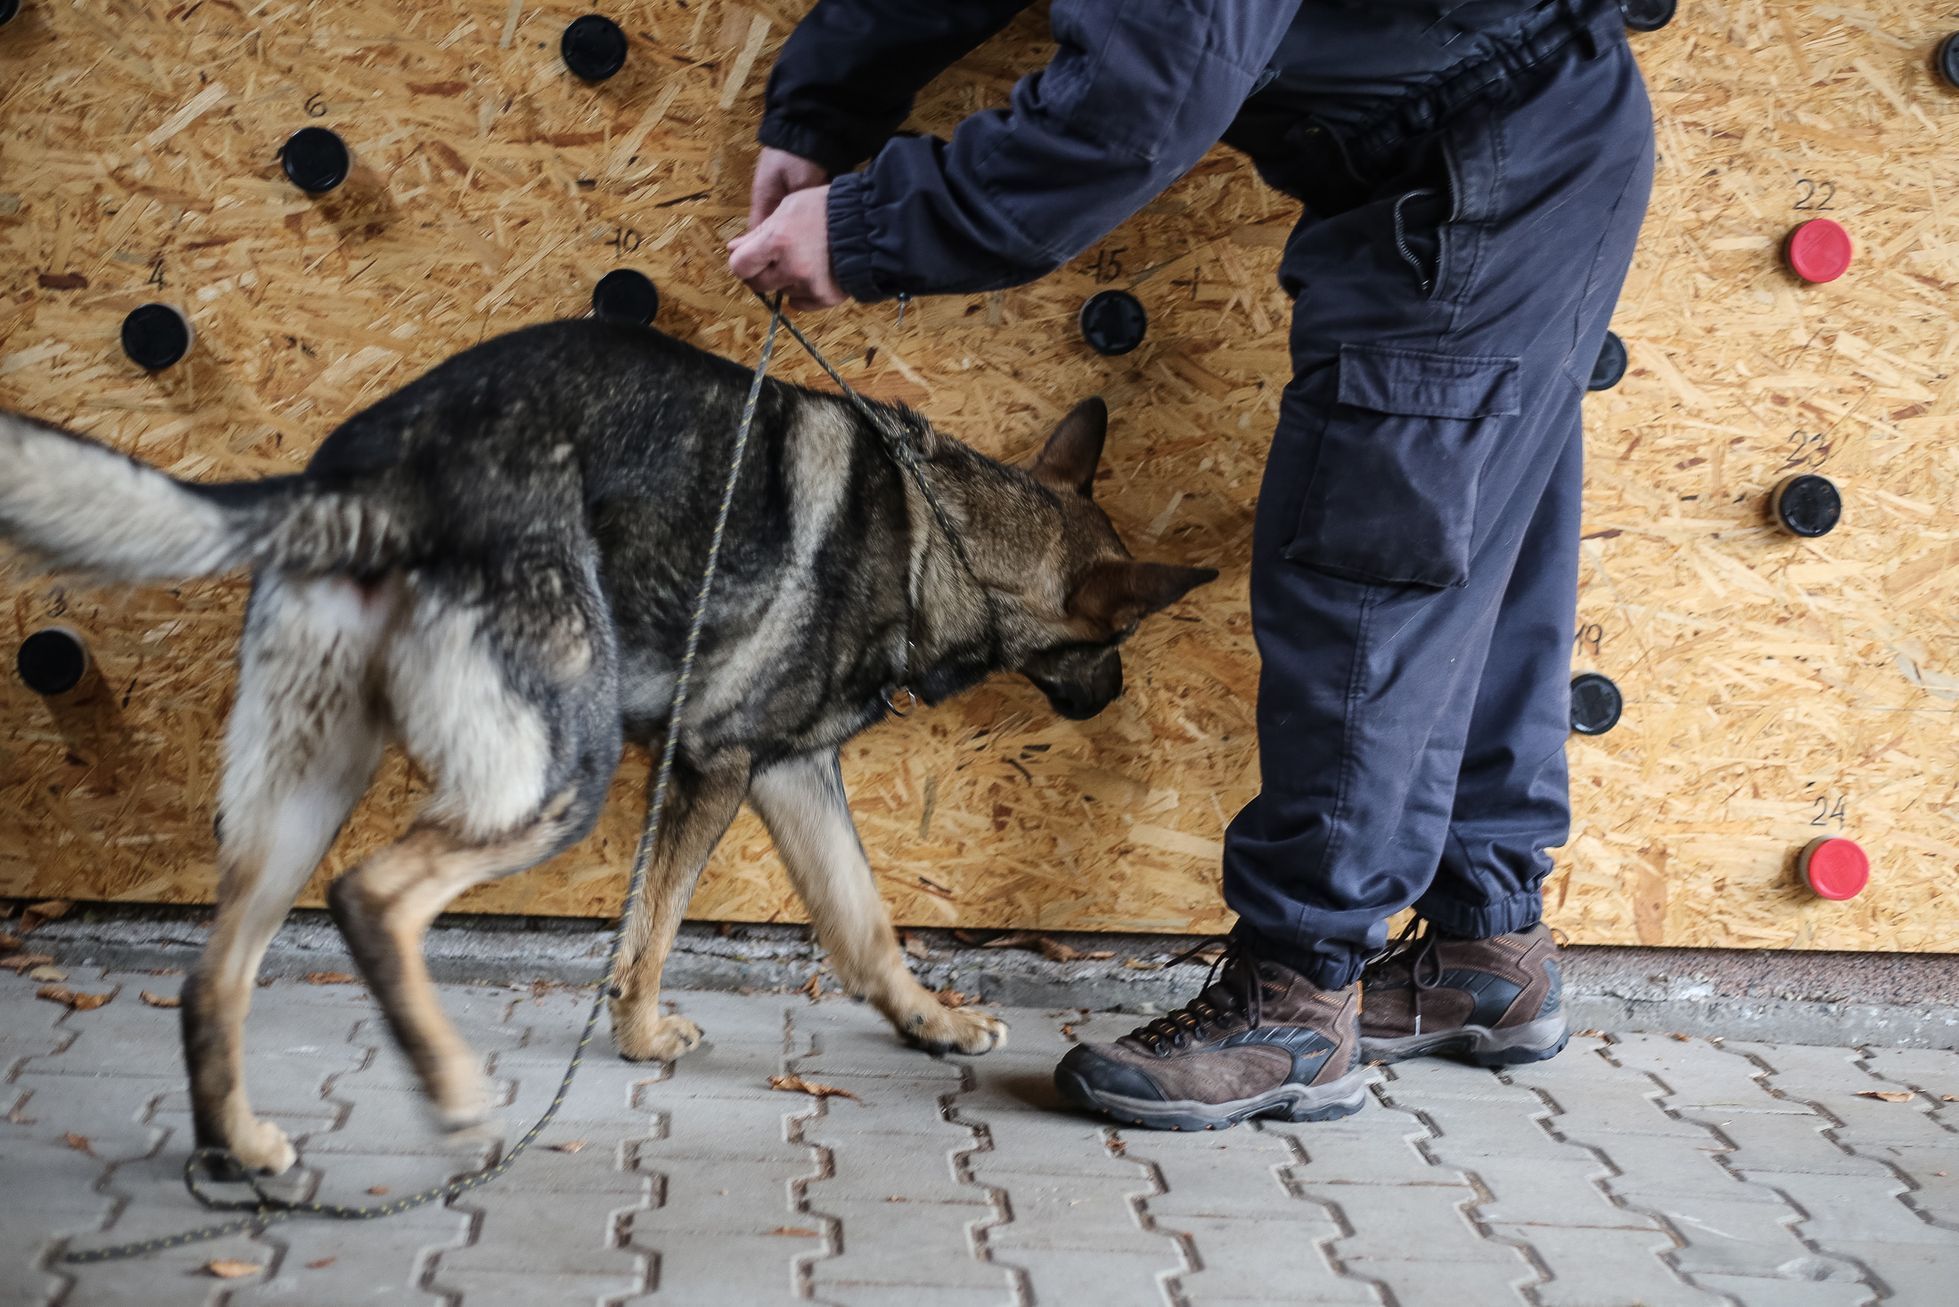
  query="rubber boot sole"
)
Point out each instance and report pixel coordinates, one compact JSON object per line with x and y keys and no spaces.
{"x":1534,"y":1041}
{"x":1289,"y":1102}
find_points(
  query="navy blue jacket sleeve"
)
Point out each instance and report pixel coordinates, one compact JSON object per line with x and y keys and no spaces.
{"x":848,"y":74}
{"x":1137,"y":91}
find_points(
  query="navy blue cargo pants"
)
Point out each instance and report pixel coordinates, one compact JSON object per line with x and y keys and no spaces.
{"x":1414,"y":580}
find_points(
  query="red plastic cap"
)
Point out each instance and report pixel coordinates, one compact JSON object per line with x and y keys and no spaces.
{"x":1835,"y":868}
{"x":1819,"y":250}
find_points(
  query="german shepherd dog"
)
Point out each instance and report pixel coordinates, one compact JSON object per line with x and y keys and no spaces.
{"x":496,"y":566}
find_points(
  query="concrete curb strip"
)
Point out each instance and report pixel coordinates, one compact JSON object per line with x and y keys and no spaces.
{"x":1905,"y":1001}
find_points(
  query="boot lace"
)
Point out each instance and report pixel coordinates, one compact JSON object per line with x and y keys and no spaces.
{"x":1230,"y":990}
{"x":1411,"y":953}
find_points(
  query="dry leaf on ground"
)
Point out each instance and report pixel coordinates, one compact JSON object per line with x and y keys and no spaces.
{"x":19,"y":962}
{"x":952,"y":998}
{"x":46,"y":910}
{"x":78,"y":1142}
{"x":569,"y":1146}
{"x":160,"y":1000}
{"x":378,"y":1190}
{"x":794,"y":1230}
{"x":1888,"y":1095}
{"x":227,"y":1268}
{"x":814,"y":987}
{"x":1051,"y":949}
{"x":798,"y":1085}
{"x":8,"y":943}
{"x":329,"y":978}
{"x":63,"y":994}
{"x":320,"y":1263}
{"x":914,"y":946}
{"x":47,"y":972}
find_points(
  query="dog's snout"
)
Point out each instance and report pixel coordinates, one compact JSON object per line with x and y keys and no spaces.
{"x":1078,"y":700}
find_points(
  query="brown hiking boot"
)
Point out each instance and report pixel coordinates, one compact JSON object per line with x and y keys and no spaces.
{"x":1260,"y":1040}
{"x":1496,"y":1001}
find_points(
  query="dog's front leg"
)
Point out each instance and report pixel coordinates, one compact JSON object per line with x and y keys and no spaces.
{"x":701,"y":800}
{"x":802,"y":802}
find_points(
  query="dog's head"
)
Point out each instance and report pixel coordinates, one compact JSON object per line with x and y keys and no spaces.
{"x":1080,"y":594}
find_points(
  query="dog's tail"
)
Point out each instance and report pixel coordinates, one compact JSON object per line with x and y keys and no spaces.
{"x":82,"y":506}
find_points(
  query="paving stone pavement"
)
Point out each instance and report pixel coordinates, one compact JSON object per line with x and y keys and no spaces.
{"x":1631,"y":1170}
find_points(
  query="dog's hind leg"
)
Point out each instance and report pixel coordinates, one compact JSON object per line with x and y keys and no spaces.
{"x":505,"y":694}
{"x":302,"y":744}
{"x":384,"y":908}
{"x":701,"y":800}
{"x":803,"y":804}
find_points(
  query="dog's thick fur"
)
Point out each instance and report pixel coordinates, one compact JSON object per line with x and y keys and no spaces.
{"x":495,"y":568}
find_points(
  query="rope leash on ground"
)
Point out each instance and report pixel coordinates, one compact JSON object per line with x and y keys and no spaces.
{"x":268,"y":1209}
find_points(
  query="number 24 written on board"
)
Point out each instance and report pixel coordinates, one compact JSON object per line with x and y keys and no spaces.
{"x":1826,"y":812}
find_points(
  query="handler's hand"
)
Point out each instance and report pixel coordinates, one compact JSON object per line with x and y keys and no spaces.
{"x":790,"y":252}
{"x":778,"y":174}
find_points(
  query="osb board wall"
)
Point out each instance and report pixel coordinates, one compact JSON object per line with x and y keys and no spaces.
{"x":1772,"y":685}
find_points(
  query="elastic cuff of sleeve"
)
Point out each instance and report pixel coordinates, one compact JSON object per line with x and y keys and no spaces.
{"x":806,"y":142}
{"x":853,"y":254}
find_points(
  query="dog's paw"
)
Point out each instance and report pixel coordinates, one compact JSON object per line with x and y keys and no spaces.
{"x":462,"y":1100}
{"x":940,"y":1029}
{"x":661,"y":1039}
{"x":263,"y":1147}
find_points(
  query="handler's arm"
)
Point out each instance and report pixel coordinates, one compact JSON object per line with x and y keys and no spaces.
{"x":847,"y":76}
{"x":1135,"y":95}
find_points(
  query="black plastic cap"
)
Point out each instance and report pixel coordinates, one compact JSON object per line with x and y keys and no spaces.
{"x":1113,"y":322}
{"x":1595,"y":704}
{"x":53,"y":661}
{"x":593,"y":47}
{"x":1648,"y":15}
{"x":8,"y":8}
{"x":155,"y":336}
{"x":624,"y":295}
{"x":315,"y":159}
{"x":1946,"y":60}
{"x":1610,"y":368}
{"x":1808,"y":505}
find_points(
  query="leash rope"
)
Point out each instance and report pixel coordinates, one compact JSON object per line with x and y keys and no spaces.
{"x":269,"y":1209}
{"x":906,"y":455}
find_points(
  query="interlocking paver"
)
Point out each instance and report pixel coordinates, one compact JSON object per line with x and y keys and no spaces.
{"x":1411,"y":1239}
{"x":1225,"y":1196}
{"x":1750,"y":1291}
{"x":1931,"y":1071}
{"x":1636,"y":1170}
{"x":1731,"y":1231}
{"x":901,"y":1208}
{"x":924,"y":1245}
{"x":1056,"y":1218}
{"x":1593,"y":1267}
{"x":1546,"y":1191}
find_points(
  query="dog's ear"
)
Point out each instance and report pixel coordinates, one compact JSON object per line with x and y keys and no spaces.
{"x":1067,"y":461}
{"x":1116,"y":594}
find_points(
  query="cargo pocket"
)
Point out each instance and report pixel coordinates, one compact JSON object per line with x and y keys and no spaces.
{"x":1392,"y":497}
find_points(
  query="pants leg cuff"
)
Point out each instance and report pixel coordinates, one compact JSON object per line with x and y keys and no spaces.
{"x":1519,"y":911}
{"x":1330,"y":965}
